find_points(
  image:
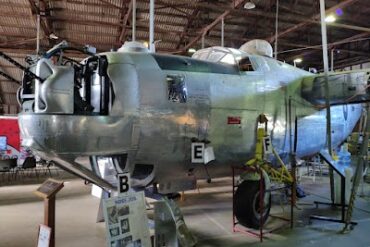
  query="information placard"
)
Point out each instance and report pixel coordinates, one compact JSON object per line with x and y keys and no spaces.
{"x":126,"y":220}
{"x":49,"y":188}
{"x":44,"y":236}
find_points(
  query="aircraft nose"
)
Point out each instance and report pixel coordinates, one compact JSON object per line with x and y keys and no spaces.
{"x":73,"y":134}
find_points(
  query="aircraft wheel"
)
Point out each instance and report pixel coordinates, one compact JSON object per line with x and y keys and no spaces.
{"x":247,"y":204}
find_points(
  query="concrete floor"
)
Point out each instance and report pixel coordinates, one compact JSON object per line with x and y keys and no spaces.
{"x":207,"y":214}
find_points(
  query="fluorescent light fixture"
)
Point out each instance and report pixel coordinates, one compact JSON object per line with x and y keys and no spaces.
{"x":249,"y":5}
{"x":298,"y":60}
{"x":192,"y":50}
{"x":330,"y":19}
{"x":146,"y":44}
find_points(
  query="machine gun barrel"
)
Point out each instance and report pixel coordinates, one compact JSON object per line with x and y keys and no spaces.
{"x":20,"y":66}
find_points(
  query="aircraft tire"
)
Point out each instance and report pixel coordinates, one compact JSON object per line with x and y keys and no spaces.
{"x":246,"y":205}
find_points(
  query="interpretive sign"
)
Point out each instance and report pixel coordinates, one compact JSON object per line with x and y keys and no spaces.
{"x":47,"y":191}
{"x":126,"y":220}
{"x":49,"y":188}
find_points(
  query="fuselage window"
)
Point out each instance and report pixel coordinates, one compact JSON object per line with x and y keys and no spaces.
{"x":245,"y":64}
{"x":176,"y":88}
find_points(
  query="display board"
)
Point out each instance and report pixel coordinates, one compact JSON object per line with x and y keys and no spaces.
{"x":49,"y":188}
{"x":125,"y":217}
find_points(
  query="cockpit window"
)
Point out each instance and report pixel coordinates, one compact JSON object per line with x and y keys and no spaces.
{"x":216,"y":56}
{"x":221,"y":55}
{"x":177,"y":91}
{"x":201,"y":55}
{"x":245,"y":64}
{"x":228,"y":59}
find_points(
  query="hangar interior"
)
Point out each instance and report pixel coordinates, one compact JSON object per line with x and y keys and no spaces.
{"x":180,"y":26}
{"x":30,"y":28}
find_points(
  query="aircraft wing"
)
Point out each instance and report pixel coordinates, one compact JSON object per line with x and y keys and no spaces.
{"x":344,"y":88}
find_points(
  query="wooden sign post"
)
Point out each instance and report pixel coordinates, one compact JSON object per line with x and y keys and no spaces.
{"x":48,"y":191}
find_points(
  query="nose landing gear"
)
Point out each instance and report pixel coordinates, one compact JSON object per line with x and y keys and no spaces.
{"x":247,"y":206}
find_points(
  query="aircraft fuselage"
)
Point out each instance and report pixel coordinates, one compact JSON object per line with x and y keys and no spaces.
{"x":156,"y":105}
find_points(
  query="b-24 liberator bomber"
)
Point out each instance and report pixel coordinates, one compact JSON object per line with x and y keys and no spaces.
{"x":143,"y":111}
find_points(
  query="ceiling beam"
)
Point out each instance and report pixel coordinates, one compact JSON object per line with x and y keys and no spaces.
{"x":177,"y":7}
{"x":235,"y":4}
{"x":35,"y":10}
{"x":82,"y":3}
{"x":318,"y":47}
{"x":191,"y":19}
{"x":16,"y":26}
{"x":18,"y":42}
{"x":345,"y":26}
{"x":98,"y":12}
{"x":341,"y":64}
{"x":79,"y":21}
{"x":16,"y":34}
{"x":45,"y":14}
{"x":126,"y":17}
{"x":286,"y":18}
{"x":256,"y":13}
{"x":314,"y":49}
{"x":108,"y":3}
{"x":65,"y":30}
{"x":342,"y":4}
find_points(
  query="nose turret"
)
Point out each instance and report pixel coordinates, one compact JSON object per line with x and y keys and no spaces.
{"x":71,"y":111}
{"x":80,"y":88}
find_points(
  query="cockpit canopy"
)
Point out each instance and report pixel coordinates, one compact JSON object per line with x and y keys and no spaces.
{"x":223,"y":55}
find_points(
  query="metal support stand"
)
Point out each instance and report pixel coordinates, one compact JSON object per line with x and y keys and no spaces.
{"x":343,"y":205}
{"x":261,"y":232}
{"x":49,"y":217}
{"x":362,"y":160}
